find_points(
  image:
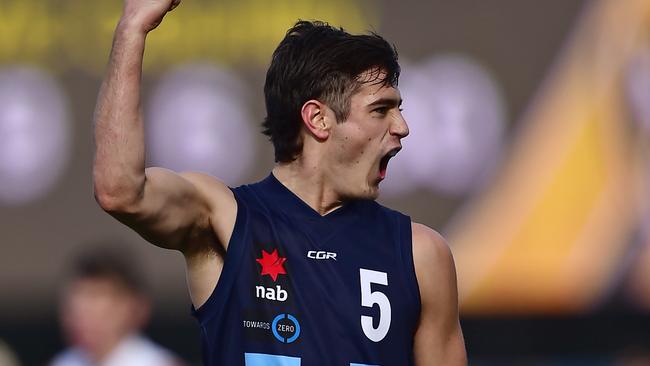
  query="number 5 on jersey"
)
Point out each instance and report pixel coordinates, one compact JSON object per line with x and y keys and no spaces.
{"x":369,"y":298}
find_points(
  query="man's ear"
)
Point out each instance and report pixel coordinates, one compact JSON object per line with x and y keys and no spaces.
{"x":313,"y":116}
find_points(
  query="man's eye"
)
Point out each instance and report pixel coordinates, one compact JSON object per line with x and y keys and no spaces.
{"x":381,"y":110}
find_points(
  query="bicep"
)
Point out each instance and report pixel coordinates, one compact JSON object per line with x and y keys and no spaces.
{"x":439,"y":338}
{"x":173,"y":209}
{"x":435,"y":345}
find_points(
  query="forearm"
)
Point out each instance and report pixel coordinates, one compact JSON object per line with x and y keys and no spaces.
{"x":119,"y":128}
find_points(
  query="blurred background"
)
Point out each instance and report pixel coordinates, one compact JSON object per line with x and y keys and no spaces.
{"x":529,"y":150}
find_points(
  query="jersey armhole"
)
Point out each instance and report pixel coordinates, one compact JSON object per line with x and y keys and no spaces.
{"x":406,"y":240}
{"x":221,"y":292}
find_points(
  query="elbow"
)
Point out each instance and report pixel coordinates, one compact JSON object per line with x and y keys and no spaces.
{"x":115,"y":201}
{"x":108,"y":202}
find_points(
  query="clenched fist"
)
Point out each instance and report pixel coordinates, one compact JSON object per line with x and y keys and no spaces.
{"x":146,"y":14}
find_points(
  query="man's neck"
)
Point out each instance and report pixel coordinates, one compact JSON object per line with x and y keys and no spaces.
{"x":310,"y":184}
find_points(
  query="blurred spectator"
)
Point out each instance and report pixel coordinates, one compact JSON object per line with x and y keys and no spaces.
{"x":104,"y":307}
{"x":7,"y":358}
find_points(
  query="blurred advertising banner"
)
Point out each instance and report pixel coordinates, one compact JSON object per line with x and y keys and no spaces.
{"x":76,"y":34}
{"x":564,"y":226}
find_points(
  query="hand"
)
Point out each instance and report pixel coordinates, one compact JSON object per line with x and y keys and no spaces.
{"x":145,"y":15}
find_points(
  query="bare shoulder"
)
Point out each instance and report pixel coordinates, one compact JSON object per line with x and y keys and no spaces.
{"x":223,"y":206}
{"x":208,"y":185}
{"x":219,"y":197}
{"x":431,"y":252}
{"x":434,"y":268}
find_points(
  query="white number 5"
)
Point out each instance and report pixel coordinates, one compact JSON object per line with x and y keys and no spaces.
{"x":369,"y":298}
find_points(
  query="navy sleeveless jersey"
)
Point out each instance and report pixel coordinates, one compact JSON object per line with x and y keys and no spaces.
{"x":298,"y":288}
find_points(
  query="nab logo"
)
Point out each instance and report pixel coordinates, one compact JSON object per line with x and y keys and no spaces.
{"x":272,"y":264}
{"x":270,"y":293}
{"x":321,"y":255}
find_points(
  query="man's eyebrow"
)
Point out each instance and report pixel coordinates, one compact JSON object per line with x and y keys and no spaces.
{"x":389,"y":102}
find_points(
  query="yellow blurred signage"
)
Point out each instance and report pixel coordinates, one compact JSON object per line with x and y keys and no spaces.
{"x":66,"y":34}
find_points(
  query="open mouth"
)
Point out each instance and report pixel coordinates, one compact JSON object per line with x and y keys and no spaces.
{"x":383,"y":163}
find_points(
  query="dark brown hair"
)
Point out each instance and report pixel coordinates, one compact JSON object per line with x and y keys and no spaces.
{"x":318,"y":61}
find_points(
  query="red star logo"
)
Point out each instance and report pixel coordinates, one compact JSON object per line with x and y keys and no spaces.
{"x":272,"y":264}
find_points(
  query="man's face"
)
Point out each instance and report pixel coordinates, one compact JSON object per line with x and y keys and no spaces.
{"x":361,"y":146}
{"x":98,"y":312}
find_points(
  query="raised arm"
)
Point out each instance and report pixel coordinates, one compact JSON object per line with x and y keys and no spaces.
{"x":439,"y":338}
{"x":175,"y":211}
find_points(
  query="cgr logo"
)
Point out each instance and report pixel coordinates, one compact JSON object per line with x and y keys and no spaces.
{"x":321,"y":255}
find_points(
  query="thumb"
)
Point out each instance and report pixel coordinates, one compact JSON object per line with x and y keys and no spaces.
{"x":174,"y":5}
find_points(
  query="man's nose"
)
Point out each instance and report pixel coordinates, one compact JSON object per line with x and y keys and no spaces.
{"x":400,"y":128}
